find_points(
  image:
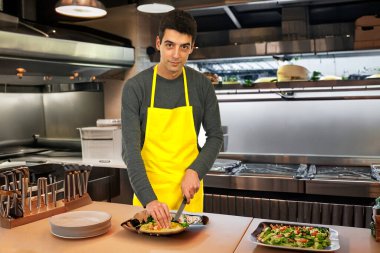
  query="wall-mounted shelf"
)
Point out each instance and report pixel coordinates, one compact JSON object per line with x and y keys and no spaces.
{"x":307,"y":85}
{"x":300,"y":90}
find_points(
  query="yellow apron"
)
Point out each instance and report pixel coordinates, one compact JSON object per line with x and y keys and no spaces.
{"x":170,"y":147}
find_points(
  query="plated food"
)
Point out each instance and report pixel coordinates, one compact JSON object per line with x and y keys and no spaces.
{"x":296,"y":236}
{"x":373,"y":76}
{"x":144,"y":223}
{"x":290,"y":72}
{"x":153,"y":228}
{"x":330,"y":77}
{"x":269,"y":79}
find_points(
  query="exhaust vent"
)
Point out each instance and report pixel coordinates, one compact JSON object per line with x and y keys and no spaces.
{"x":52,"y":56}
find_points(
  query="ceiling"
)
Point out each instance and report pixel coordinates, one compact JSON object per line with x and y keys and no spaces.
{"x":269,"y":13}
{"x":217,"y":15}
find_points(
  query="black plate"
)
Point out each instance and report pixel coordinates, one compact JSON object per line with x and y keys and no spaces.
{"x":134,"y":224}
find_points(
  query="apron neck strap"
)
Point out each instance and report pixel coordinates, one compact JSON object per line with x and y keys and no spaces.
{"x":154,"y":81}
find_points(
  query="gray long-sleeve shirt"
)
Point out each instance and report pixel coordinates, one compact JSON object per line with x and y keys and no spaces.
{"x":169,"y":94}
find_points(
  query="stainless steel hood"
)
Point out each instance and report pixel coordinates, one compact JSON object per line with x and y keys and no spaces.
{"x":50,"y":58}
{"x":303,"y":46}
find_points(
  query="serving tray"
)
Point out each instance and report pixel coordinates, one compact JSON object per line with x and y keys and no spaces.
{"x":333,"y":237}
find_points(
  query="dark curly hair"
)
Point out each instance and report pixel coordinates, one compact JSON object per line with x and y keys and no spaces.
{"x":180,"y":21}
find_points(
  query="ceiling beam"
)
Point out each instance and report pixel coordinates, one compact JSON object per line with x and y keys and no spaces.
{"x":197,"y":4}
{"x":232,"y":16}
{"x":201,"y":4}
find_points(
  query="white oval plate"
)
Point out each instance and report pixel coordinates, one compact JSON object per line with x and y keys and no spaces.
{"x":83,"y":236}
{"x":334,"y":237}
{"x":79,"y":219}
{"x":80,"y":224}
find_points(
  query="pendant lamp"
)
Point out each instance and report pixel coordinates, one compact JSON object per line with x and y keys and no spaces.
{"x":155,"y":6}
{"x":81,"y":8}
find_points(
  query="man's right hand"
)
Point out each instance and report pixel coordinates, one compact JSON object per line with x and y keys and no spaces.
{"x":160,"y":213}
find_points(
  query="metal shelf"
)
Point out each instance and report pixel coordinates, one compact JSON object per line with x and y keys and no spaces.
{"x":329,"y":84}
{"x":300,"y":90}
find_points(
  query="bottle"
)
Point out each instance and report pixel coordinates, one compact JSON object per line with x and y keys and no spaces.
{"x":376,"y":209}
{"x":374,"y":225}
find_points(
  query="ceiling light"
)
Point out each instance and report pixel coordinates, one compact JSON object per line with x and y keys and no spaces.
{"x":155,"y":6}
{"x":81,"y":8}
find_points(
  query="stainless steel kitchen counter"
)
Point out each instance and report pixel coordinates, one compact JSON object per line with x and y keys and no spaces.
{"x":328,"y":185}
{"x":254,"y":183}
{"x":302,"y":158}
{"x":32,"y":159}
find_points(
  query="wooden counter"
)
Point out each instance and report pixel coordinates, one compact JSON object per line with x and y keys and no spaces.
{"x":351,"y":240}
{"x":222,"y":234}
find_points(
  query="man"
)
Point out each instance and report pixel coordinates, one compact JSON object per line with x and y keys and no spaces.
{"x":162,"y":110}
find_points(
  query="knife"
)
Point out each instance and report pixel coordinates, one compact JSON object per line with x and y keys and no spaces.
{"x":180,"y":209}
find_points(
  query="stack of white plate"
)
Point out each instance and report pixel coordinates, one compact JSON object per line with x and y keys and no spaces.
{"x":80,"y":224}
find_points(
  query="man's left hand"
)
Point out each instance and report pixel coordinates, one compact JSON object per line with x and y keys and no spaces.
{"x":190,"y":184}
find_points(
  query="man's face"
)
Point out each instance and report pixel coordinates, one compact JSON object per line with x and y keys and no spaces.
{"x":175,"y":49}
